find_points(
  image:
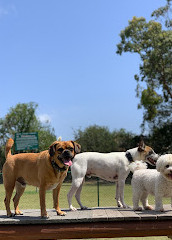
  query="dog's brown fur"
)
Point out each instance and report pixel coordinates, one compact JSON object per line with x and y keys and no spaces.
{"x":36,"y":169}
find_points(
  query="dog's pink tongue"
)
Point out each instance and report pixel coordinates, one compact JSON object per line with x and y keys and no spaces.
{"x":68,"y":162}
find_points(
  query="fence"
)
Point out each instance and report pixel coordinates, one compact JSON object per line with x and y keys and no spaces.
{"x":95,"y":193}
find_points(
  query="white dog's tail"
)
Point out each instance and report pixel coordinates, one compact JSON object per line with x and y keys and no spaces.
{"x":137,"y":165}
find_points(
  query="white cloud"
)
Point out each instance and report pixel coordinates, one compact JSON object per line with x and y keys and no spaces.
{"x":3,"y":11}
{"x":8,"y":9}
{"x":44,"y":118}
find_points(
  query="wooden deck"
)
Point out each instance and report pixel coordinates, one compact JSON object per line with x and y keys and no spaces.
{"x":107,"y":222}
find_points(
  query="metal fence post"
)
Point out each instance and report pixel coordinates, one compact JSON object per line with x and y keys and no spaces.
{"x":98,"y":193}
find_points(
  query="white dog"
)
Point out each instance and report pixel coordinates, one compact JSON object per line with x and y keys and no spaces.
{"x":113,"y":167}
{"x":157,"y":182}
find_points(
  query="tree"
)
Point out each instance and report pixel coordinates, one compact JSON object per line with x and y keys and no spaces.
{"x":124,"y":140}
{"x":95,"y":139}
{"x":160,"y":138}
{"x":153,"y":42}
{"x":22,"y":118}
{"x":100,"y":139}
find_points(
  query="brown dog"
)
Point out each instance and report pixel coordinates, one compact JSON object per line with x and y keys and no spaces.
{"x":45,"y":170}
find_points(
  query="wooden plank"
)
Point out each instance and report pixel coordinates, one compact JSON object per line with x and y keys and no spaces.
{"x":87,"y":230}
{"x":153,"y":215}
{"x":129,"y":214}
{"x":147,"y":215}
{"x":113,"y":214}
{"x":99,"y":215}
{"x":167,"y":214}
{"x":71,"y":216}
{"x":95,"y":223}
{"x":84,"y":216}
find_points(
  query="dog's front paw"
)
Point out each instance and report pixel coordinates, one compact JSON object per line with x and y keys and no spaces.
{"x":148,"y":207}
{"x":137,"y":208}
{"x":61,"y":213}
{"x":159,"y":209}
{"x":11,"y":215}
{"x":119,"y":204}
{"x":84,"y":208}
{"x":44,"y":215}
{"x":125,"y":206}
{"x":18,"y":212}
{"x":73,"y":208}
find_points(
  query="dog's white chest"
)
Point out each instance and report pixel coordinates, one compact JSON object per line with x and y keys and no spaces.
{"x":53,"y":186}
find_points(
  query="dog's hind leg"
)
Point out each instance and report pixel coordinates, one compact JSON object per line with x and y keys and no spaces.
{"x":20,"y":187}
{"x":75,"y":186}
{"x":136,"y":199}
{"x":121,"y":191}
{"x":144,"y":200}
{"x":8,"y":193}
{"x":121,"y":185}
{"x":77,"y":196}
{"x":117,"y":197}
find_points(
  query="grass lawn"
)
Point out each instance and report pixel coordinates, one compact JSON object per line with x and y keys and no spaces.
{"x":89,"y":197}
{"x":30,"y":199}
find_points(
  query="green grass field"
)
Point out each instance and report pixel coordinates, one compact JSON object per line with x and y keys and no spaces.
{"x":30,"y":199}
{"x":89,"y":196}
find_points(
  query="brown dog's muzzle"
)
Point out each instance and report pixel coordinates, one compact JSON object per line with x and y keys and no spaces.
{"x":66,"y":157}
{"x":64,"y":152}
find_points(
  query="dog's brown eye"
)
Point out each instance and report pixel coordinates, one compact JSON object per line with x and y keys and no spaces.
{"x":70,"y":148}
{"x":167,"y":166}
{"x":60,"y":150}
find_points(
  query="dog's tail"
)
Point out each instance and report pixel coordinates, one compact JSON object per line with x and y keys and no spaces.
{"x":59,"y":139}
{"x":8,"y":147}
{"x":137,"y":165}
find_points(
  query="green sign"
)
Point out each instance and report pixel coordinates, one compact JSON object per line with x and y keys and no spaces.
{"x":26,"y":141}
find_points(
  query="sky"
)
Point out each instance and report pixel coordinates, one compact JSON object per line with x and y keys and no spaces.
{"x":61,"y":54}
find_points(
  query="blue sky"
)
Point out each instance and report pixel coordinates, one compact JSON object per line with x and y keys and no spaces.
{"x":61,"y":54}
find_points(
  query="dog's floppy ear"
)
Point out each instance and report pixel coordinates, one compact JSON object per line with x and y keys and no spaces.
{"x":159,"y":163}
{"x":77,"y":147}
{"x":52,"y":149}
{"x":141,"y":146}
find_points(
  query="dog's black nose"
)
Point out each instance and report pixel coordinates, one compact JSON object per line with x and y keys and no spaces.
{"x":66,"y":154}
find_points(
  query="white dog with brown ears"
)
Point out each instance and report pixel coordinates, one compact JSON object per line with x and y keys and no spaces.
{"x":112,"y":167}
{"x":157,"y":182}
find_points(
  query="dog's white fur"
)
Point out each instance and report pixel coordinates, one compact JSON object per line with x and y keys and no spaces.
{"x":137,"y":165}
{"x":157,"y":182}
{"x":113,"y":167}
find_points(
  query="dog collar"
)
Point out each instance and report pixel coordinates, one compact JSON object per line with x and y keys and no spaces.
{"x":56,"y":167}
{"x":129,"y":157}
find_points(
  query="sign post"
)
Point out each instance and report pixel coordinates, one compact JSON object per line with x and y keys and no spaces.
{"x":26,"y":141}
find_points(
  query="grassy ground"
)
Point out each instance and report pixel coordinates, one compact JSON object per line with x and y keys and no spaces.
{"x":30,"y":199}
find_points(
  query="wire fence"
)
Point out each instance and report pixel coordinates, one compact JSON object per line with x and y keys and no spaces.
{"x":95,"y":193}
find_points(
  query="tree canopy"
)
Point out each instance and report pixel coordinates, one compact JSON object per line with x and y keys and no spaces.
{"x":22,"y":118}
{"x":100,"y":139}
{"x":152,"y":40}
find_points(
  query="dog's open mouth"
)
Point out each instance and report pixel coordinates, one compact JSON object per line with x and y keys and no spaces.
{"x":151,"y":161}
{"x":67,"y":162}
{"x":170,"y":176}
